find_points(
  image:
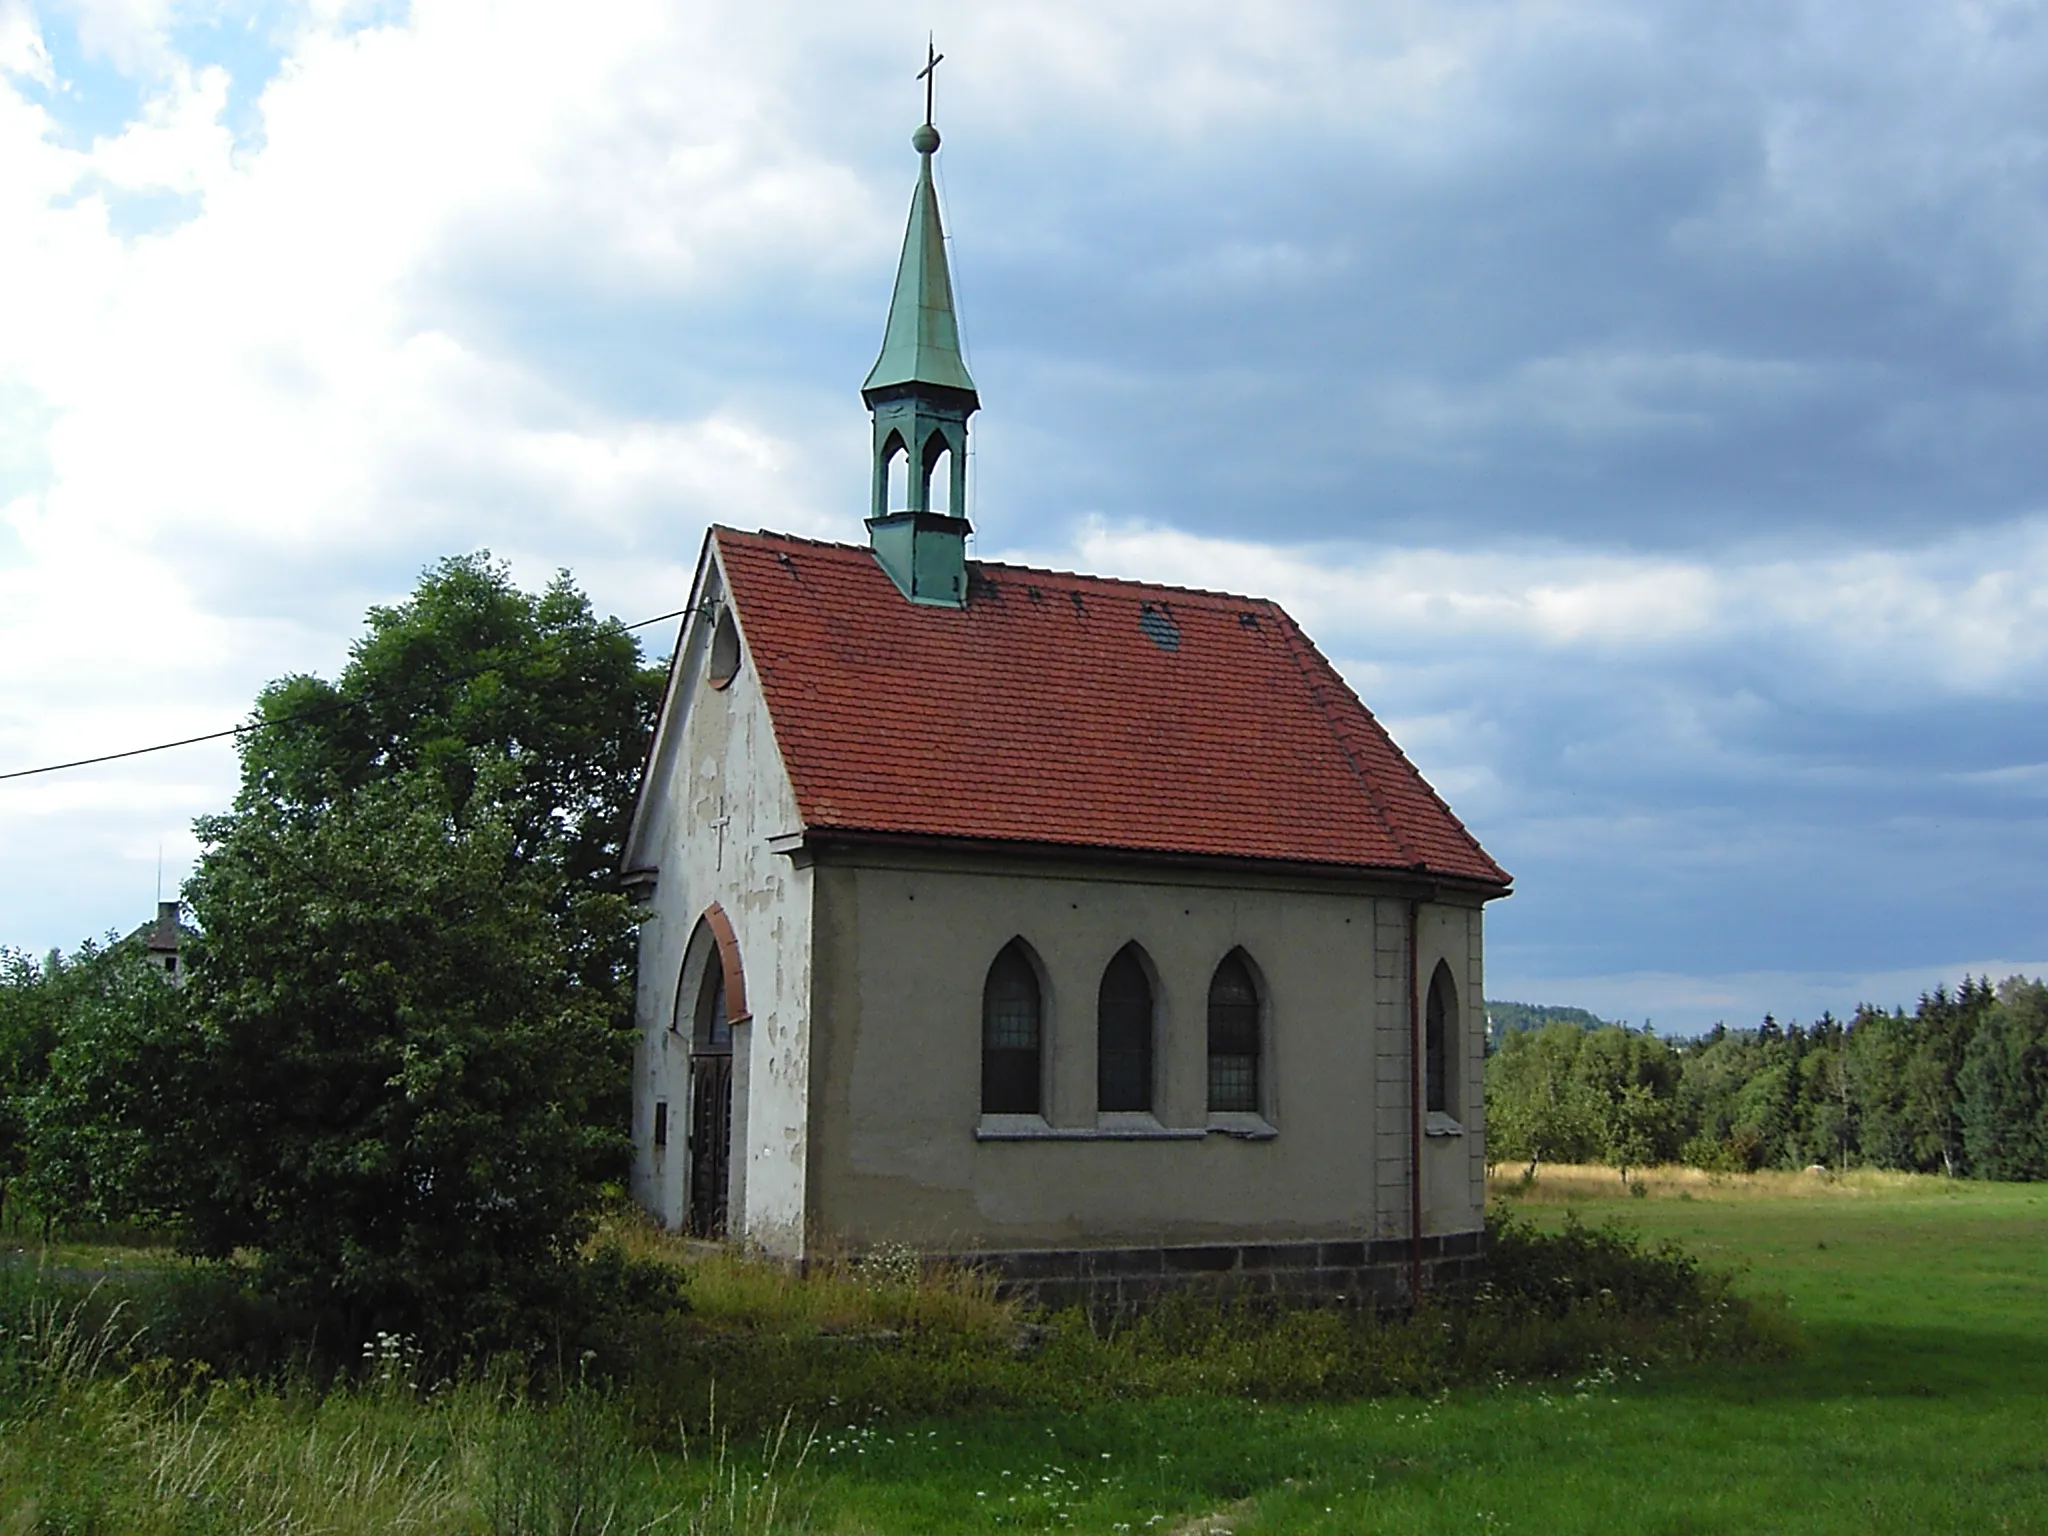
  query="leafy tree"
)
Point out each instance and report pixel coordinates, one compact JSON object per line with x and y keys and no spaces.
{"x":2004,"y":1086}
{"x":1875,"y":1052}
{"x":1630,"y":1077}
{"x":1507,"y":1018}
{"x":1713,"y":1072}
{"x":418,"y":963}
{"x":1943,"y":1027}
{"x":1764,"y":1111}
{"x":1767,"y":1097}
{"x":1537,"y":1106}
{"x":1959,"y":1086}
{"x":1638,"y":1128}
{"x":470,"y":671}
{"x":28,"y":1033}
{"x":1826,"y":1114}
{"x":103,"y":1126}
{"x":397,"y":1073}
{"x":406,"y":1063}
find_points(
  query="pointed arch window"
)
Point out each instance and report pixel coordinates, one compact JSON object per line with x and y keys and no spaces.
{"x":1439,"y":1043}
{"x":1123,"y":1035}
{"x":1012,"y":1035}
{"x":1233,"y":1037}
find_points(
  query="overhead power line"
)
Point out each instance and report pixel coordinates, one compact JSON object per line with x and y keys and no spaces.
{"x":249,"y":729}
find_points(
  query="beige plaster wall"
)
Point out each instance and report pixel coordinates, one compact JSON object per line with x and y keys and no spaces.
{"x":1454,"y":1165}
{"x":903,"y":947}
{"x":716,"y":793}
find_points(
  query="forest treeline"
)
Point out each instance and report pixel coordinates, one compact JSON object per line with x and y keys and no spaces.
{"x":1959,"y":1086}
{"x":1504,"y":1019}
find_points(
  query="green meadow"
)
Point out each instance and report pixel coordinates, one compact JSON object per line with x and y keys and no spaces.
{"x":1918,"y":1402}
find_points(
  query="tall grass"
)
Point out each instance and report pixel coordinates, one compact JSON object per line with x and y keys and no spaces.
{"x":99,"y":1435}
{"x":1580,"y":1183}
{"x":698,"y":1417}
{"x":131,"y":1454}
{"x":835,"y":1292}
{"x":846,"y":1340}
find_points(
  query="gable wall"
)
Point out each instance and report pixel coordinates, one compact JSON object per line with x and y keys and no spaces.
{"x":717,"y":758}
{"x":902,"y":953}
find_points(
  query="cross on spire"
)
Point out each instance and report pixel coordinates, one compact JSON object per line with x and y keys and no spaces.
{"x":932,"y":59}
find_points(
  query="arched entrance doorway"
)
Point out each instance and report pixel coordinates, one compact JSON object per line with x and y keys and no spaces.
{"x":716,"y":990}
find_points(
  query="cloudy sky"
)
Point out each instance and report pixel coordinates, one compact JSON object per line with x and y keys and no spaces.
{"x":1646,"y":405}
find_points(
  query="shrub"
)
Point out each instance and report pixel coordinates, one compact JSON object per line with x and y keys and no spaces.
{"x":1553,"y":1302}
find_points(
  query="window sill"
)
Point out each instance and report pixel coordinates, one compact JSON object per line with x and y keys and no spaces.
{"x":1109,"y":1128}
{"x":1242,"y":1124}
{"x":1012,"y":1128}
{"x":1441,"y":1124}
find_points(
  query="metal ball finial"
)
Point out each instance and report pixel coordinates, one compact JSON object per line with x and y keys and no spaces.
{"x":925,"y":139}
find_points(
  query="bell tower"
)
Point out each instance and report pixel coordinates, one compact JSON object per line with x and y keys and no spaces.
{"x":920,"y":395}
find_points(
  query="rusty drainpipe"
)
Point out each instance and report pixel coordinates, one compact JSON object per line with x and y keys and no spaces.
{"x":1414,"y":1110}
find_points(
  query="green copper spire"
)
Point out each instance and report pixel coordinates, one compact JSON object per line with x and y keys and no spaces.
{"x":921,"y":395}
{"x":922,"y":342}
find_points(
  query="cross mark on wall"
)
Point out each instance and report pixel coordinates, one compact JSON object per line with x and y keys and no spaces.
{"x":719,"y":824}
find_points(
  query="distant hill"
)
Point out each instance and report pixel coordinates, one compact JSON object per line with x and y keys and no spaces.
{"x":1504,"y":1019}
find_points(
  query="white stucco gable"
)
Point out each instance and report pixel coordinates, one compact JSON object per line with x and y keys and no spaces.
{"x":714,"y":797}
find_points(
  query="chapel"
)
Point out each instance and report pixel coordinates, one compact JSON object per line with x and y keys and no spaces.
{"x":1087,"y":929}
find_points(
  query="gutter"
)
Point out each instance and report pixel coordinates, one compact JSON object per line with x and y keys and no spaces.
{"x":1414,"y":1110}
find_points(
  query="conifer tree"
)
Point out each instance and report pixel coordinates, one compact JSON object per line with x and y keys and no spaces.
{"x":2003,"y":1085}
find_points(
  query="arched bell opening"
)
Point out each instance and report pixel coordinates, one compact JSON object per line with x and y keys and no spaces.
{"x":895,"y":475}
{"x":943,"y":484}
{"x":938,"y":487}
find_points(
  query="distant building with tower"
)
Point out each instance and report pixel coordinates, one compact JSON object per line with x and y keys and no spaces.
{"x":1091,"y":928}
{"x":161,"y":940}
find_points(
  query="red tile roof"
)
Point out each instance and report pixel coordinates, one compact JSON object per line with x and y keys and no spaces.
{"x":1075,"y":710}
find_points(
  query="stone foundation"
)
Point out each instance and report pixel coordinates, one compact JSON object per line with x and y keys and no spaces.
{"x":1109,"y":1280}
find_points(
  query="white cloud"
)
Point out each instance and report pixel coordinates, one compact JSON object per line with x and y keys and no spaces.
{"x":131,"y":35}
{"x":22,"y":51}
{"x":178,"y":144}
{"x":271,"y":344}
{"x":1969,"y":614}
{"x":229,"y":433}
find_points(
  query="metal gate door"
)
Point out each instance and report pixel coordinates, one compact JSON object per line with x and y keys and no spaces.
{"x":710,"y":1142}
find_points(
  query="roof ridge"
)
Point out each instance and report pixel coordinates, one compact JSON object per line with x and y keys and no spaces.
{"x":1004,"y":566}
{"x":1085,"y":577}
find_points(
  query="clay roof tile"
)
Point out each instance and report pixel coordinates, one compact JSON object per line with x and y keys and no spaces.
{"x":1076,"y":710}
